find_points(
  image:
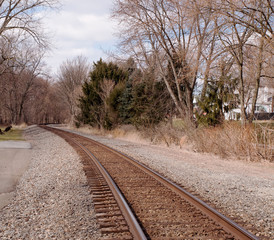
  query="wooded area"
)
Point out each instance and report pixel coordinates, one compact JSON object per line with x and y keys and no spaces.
{"x":193,"y":59}
{"x":191,"y":43}
{"x":26,"y":92}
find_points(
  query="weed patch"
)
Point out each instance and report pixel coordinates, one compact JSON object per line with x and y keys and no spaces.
{"x":13,"y":134}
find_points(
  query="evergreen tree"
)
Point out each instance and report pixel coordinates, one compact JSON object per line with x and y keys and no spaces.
{"x":220,"y":97}
{"x":100,"y":95}
{"x":89,"y":104}
{"x":210,"y":109}
{"x":151,"y":104}
{"x":125,"y":108}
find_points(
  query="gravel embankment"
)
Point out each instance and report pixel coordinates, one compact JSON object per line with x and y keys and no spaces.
{"x":52,"y":200}
{"x":243,"y":191}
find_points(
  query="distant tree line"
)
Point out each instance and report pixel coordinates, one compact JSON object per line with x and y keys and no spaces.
{"x":192,"y":59}
{"x":26,"y":94}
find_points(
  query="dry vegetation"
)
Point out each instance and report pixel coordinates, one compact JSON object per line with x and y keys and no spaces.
{"x":252,"y":143}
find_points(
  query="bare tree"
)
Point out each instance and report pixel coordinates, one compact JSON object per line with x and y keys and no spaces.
{"x":104,"y":92}
{"x":45,"y":105}
{"x":246,"y":26}
{"x":182,"y":41}
{"x":18,"y":80}
{"x":72,"y":74}
{"x":20,"y":16}
{"x":172,"y":35}
{"x":260,"y":11}
{"x":24,"y":94}
{"x":234,"y":38}
{"x":20,"y":22}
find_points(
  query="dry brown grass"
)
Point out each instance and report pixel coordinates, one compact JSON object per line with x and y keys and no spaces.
{"x":252,"y":142}
{"x":233,"y":140}
{"x":162,"y":134}
{"x":21,"y":126}
{"x":128,"y":133}
{"x":264,"y":136}
{"x":124,"y":132}
{"x":166,"y":134}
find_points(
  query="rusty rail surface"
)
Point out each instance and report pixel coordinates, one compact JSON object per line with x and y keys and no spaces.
{"x":101,"y":193}
{"x":229,"y":226}
{"x":133,"y":224}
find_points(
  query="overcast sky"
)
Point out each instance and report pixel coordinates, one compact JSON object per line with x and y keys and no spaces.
{"x":80,"y":27}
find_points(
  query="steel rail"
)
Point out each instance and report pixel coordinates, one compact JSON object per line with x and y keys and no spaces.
{"x":229,"y":225}
{"x":133,"y":224}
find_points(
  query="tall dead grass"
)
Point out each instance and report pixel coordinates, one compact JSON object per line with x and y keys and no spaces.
{"x":232,"y":140}
{"x":20,"y":126}
{"x":163,"y":134}
{"x":252,"y":142}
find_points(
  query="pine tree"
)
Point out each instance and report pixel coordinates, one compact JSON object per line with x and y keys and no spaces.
{"x":125,"y":108}
{"x":97,"y":102}
{"x":151,"y":103}
{"x":210,"y":109}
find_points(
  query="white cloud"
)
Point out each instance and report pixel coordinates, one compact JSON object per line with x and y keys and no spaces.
{"x":80,"y":28}
{"x":70,"y":26}
{"x":88,"y":7}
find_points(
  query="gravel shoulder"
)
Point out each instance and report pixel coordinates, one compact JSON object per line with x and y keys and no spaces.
{"x":52,"y":199}
{"x":243,"y":191}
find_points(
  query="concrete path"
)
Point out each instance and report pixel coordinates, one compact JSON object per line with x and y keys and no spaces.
{"x":14,"y":161}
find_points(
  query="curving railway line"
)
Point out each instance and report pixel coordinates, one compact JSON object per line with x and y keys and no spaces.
{"x":133,"y":202}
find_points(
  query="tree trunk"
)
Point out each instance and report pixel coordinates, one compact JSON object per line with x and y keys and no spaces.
{"x":205,"y":82}
{"x":272,"y":103}
{"x":242,"y":96}
{"x":257,"y":80}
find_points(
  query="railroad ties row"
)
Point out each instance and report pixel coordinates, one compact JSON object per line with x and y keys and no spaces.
{"x":110,"y":219}
{"x":162,"y":212}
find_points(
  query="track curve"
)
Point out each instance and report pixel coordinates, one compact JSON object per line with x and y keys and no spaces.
{"x":162,"y":209}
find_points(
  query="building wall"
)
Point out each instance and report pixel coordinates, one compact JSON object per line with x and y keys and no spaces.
{"x":264,"y":101}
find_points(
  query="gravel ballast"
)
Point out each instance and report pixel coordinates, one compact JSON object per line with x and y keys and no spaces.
{"x":52,"y":199}
{"x":243,"y":191}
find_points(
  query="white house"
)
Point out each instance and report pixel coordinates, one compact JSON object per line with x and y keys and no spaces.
{"x":265,"y":104}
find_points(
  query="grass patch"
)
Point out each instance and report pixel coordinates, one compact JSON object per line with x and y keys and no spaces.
{"x":13,"y":134}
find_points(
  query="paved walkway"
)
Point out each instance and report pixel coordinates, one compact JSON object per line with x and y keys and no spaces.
{"x":14,"y":161}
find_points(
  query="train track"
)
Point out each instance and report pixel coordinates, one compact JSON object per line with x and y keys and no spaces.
{"x":133,"y":202}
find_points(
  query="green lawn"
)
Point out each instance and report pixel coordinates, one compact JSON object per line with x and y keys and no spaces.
{"x":13,"y":134}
